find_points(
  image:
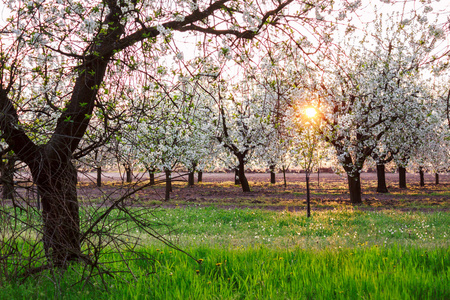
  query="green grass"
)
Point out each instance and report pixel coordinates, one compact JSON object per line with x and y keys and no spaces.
{"x":332,"y":228}
{"x":262,"y":273}
{"x":255,"y":254}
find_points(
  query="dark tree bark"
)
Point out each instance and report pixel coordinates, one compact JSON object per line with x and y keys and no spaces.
{"x":318,"y":177}
{"x":98,"y":169}
{"x":402,"y":177}
{"x":422,"y":177}
{"x":236,"y":177}
{"x":272,"y":174}
{"x":151,"y":174}
{"x":242,"y":177}
{"x":168,"y":184}
{"x":308,"y":197}
{"x":7,"y":178}
{"x":381,"y":177}
{"x":199,"y":176}
{"x":99,"y":176}
{"x":436,"y":178}
{"x":284,"y":177}
{"x":191,"y":178}
{"x":129,"y":177}
{"x":56,"y":182}
{"x":354,"y":187}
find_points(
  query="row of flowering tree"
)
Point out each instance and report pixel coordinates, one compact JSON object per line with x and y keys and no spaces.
{"x":373,"y":103}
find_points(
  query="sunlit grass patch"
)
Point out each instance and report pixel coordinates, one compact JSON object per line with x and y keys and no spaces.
{"x":344,"y":227}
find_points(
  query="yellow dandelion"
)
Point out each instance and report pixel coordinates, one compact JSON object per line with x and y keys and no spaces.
{"x":197,"y":271}
{"x":218,"y":264}
{"x":200,"y":260}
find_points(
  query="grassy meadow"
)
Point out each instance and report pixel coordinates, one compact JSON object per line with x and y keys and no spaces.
{"x":343,"y":253}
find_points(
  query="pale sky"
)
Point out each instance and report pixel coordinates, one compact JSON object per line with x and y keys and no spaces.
{"x":441,"y":9}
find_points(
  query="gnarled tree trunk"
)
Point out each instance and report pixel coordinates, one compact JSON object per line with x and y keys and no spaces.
{"x":56,"y":181}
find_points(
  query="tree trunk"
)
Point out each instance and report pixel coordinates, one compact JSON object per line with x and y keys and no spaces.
{"x":7,"y":179}
{"x":354,"y":187}
{"x":284,"y":177}
{"x":99,"y":170}
{"x":318,"y":177}
{"x":168,"y":185}
{"x":199,"y":176}
{"x":272,"y":174}
{"x":151,"y":174}
{"x":436,"y":178}
{"x":242,"y":178}
{"x":236,"y":177}
{"x":381,"y":176}
{"x":99,"y":176}
{"x":308,"y":197}
{"x":402,"y":177}
{"x":56,"y":181}
{"x":422,"y":177}
{"x":128,"y":172}
{"x":191,"y":178}
{"x":191,"y":174}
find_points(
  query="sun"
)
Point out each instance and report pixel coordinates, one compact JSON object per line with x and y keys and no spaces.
{"x":310,"y":112}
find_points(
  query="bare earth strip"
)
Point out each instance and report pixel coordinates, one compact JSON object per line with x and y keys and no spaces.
{"x":218,"y":189}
